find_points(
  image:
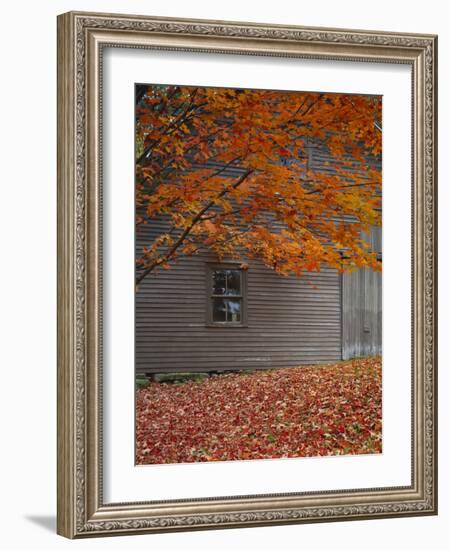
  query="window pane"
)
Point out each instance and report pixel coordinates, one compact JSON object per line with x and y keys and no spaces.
{"x":233,"y":282}
{"x":225,"y":310}
{"x":219,"y":282}
{"x":233,"y":311}
{"x":226,"y":281}
{"x":218,"y":310}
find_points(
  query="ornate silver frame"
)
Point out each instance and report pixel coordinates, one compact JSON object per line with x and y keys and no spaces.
{"x":81,"y":37}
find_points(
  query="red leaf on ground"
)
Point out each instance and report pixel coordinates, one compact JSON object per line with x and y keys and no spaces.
{"x":284,"y":413}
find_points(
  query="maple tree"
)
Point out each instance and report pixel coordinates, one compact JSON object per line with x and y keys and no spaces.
{"x":317,"y":410}
{"x":227,"y":170}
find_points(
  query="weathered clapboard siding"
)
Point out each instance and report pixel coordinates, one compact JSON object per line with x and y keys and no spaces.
{"x":320,"y":317}
{"x":290,"y":321}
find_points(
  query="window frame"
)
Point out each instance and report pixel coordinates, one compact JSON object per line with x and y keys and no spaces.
{"x":210,"y":268}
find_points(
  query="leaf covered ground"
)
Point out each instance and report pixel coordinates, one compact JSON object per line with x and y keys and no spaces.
{"x":290,"y":412}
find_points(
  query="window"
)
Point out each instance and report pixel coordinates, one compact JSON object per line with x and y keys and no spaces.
{"x":226,"y":300}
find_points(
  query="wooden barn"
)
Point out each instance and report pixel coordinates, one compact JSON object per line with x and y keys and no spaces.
{"x":204,"y":316}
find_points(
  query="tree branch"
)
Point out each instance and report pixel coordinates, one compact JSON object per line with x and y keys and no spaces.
{"x":191,"y":225}
{"x":342,"y":187}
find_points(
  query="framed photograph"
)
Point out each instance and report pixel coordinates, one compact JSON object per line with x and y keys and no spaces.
{"x":246,"y":274}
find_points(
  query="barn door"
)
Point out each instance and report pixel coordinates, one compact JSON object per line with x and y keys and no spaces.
{"x":362,"y":309}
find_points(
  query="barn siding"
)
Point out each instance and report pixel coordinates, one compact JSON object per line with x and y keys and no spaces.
{"x":362,"y":308}
{"x":291,"y":321}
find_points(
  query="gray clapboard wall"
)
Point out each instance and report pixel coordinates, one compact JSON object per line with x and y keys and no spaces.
{"x":318,"y":318}
{"x":290,"y":321}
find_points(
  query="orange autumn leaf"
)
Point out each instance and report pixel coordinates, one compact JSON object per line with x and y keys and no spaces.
{"x":228,"y":169}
